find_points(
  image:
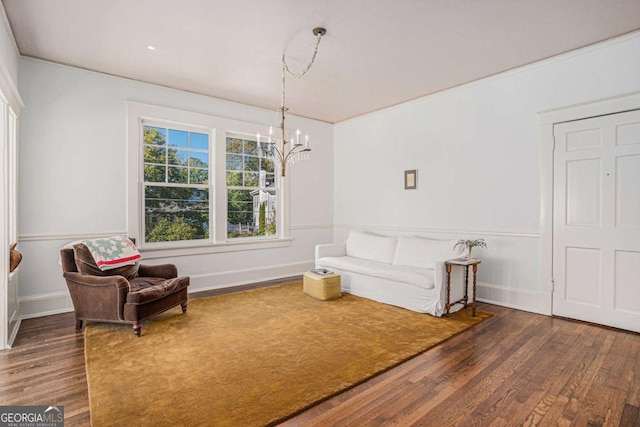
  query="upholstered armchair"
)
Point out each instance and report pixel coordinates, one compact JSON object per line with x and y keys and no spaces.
{"x":129,"y":294}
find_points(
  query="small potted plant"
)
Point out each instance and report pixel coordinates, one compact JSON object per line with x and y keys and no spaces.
{"x":471,"y":244}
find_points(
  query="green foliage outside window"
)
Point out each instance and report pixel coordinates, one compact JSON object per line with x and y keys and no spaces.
{"x":250,"y":186}
{"x":174,"y":213}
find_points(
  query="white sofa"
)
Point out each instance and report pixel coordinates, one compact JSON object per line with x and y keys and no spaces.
{"x":404,"y":271}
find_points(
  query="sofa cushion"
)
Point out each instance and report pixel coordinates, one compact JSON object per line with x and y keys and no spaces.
{"x":86,"y":264}
{"x":148,"y":289}
{"x":423,"y":253}
{"x":370,"y":247}
{"x":422,"y":277}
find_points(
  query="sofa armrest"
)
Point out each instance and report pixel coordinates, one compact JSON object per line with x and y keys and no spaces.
{"x":331,"y":249}
{"x":166,"y":271}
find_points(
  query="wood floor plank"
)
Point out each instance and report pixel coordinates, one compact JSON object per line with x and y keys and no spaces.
{"x":486,"y":381}
{"x":630,"y":416}
{"x":446,"y":378}
{"x":517,"y":368}
{"x":539,"y":389}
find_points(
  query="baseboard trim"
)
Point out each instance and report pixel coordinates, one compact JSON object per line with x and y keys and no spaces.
{"x":60,"y":302}
{"x":45,"y":305}
{"x":14,"y":332}
{"x":207,"y":282}
{"x":532,"y":301}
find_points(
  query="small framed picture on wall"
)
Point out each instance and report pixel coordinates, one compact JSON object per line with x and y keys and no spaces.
{"x":410,"y":179}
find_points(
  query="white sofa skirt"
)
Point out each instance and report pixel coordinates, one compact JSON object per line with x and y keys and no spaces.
{"x":416,"y":289}
{"x":430,"y":300}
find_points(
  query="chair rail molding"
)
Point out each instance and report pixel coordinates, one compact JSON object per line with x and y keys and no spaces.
{"x":502,"y":233}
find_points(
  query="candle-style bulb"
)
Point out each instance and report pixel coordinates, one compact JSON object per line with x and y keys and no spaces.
{"x":298,"y":137}
{"x":306,"y":141}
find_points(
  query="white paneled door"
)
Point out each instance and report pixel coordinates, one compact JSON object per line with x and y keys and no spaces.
{"x":596,"y":236}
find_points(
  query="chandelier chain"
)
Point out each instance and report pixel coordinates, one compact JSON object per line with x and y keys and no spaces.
{"x":313,"y":58}
{"x":286,"y":70}
{"x":286,"y":150}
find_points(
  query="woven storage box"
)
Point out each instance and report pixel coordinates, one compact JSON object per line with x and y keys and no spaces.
{"x":322,"y":287}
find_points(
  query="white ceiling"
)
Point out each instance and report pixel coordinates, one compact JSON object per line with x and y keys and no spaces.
{"x":376,"y":53}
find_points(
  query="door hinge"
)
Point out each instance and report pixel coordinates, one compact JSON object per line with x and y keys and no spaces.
{"x":553,"y":282}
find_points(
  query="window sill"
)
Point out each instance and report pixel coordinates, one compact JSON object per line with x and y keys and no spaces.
{"x":151,"y":253}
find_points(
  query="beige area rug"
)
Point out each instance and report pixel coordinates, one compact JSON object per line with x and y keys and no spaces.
{"x":251,"y":358}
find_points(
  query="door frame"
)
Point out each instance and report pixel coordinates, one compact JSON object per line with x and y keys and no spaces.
{"x":548,"y":119}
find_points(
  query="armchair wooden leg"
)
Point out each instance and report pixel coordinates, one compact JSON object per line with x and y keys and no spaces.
{"x":184,"y":306}
{"x":78,"y":325}
{"x":137,"y":329}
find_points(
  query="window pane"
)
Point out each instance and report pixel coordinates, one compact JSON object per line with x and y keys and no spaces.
{"x":154,"y":173}
{"x":234,"y":162}
{"x":251,"y":213}
{"x":199,"y":141}
{"x":251,"y":179}
{"x":251,"y":163}
{"x":239,"y":213}
{"x":178,"y":138}
{"x":234,"y":145}
{"x":265,"y":212}
{"x":177,"y":175}
{"x":251,"y":147}
{"x":198,"y":176}
{"x":270,"y":180}
{"x":178,"y":157}
{"x":155,"y":135}
{"x":173,"y":214}
{"x":266,"y":165}
{"x":153,"y":154}
{"x":234,"y":179}
{"x":199,"y":160}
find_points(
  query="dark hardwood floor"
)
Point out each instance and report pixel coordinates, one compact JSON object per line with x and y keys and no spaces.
{"x":517,"y":368}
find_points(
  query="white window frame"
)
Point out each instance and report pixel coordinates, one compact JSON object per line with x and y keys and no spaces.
{"x":217,"y":128}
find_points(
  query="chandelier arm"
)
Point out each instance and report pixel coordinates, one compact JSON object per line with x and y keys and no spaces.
{"x":295,"y":150}
{"x":274,"y":148}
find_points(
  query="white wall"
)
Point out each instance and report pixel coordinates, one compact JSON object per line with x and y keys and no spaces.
{"x":73,"y":180}
{"x":477,"y":150}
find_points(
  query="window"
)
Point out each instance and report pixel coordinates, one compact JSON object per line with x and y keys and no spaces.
{"x":198,"y":184}
{"x":176,"y":178}
{"x":251,"y":192}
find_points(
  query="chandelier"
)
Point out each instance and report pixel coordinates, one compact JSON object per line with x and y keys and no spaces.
{"x":287,"y":150}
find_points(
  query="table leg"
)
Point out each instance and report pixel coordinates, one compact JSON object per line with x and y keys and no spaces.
{"x":466,"y":285}
{"x":473,"y":305}
{"x":448,"y":304}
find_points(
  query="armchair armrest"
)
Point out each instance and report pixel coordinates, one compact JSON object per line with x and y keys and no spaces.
{"x":97,"y":297}
{"x":97,"y":281}
{"x":166,"y":271}
{"x":331,"y":249}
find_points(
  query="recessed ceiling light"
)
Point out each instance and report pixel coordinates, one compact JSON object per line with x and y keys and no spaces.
{"x":151,"y":47}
